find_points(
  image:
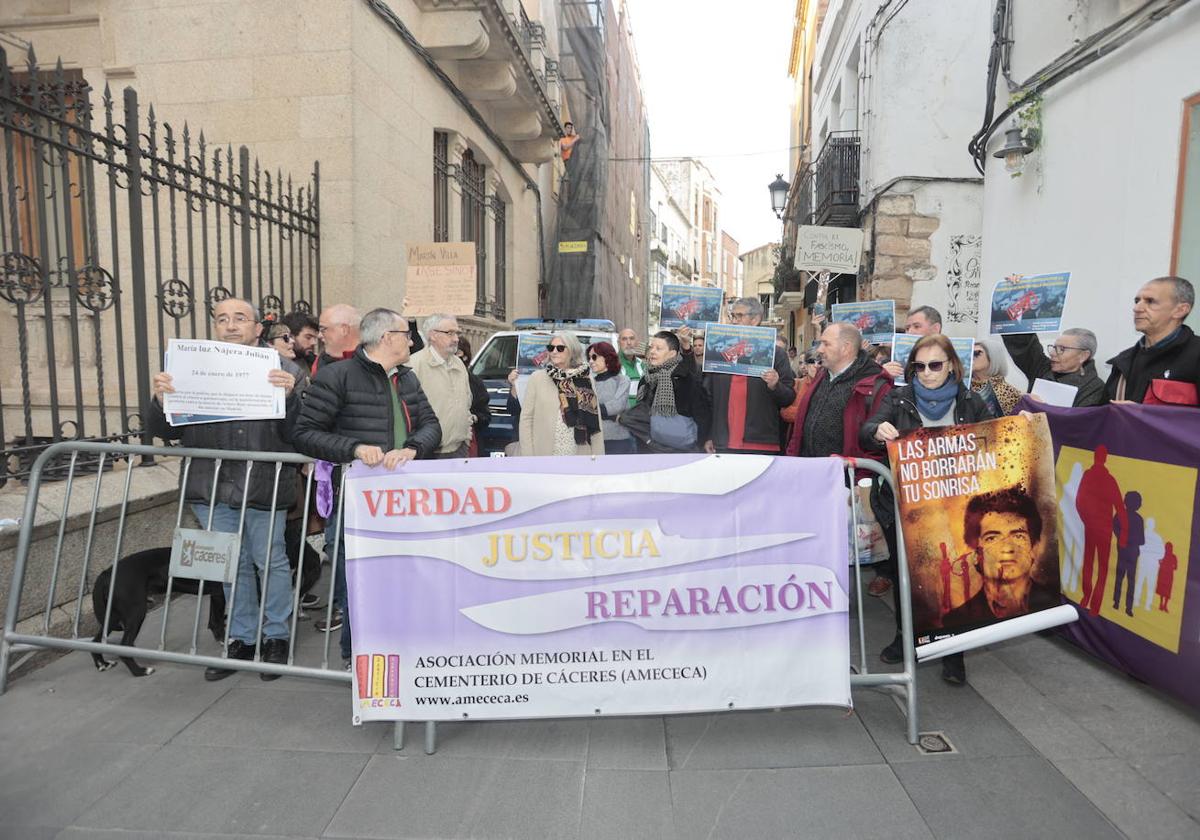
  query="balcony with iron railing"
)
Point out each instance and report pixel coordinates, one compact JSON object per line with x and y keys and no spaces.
{"x":836,"y":180}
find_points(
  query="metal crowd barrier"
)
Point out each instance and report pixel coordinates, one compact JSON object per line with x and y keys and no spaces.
{"x":901,"y":684}
{"x":13,"y":642}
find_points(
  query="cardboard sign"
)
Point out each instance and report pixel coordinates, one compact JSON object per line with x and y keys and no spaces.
{"x":440,"y":278}
{"x":833,"y":249}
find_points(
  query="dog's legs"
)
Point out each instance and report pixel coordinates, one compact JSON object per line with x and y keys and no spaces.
{"x":98,"y":660}
{"x":128,"y":639}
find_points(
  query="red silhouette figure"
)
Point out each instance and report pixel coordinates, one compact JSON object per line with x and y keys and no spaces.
{"x":1098,"y":499}
{"x":949,"y":568}
{"x":944,"y":568}
{"x":1166,"y":577}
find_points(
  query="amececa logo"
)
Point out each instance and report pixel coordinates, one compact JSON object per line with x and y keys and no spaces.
{"x":378,"y":678}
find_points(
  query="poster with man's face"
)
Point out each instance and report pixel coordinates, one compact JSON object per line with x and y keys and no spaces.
{"x":979,"y":517}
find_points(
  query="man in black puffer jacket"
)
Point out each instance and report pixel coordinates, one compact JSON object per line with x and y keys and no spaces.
{"x":235,"y":321}
{"x":1168,"y":349}
{"x":370,"y":408}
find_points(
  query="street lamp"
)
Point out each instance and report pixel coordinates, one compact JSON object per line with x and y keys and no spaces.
{"x":1016,"y":147}
{"x":779,"y":193}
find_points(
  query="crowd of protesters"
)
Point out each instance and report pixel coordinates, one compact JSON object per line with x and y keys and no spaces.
{"x":375,"y":388}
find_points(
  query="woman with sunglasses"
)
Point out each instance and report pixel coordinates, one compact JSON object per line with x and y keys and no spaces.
{"x":280,"y":338}
{"x":560,"y":414}
{"x":988,"y":372}
{"x":934,"y":396}
{"x":612,"y":393}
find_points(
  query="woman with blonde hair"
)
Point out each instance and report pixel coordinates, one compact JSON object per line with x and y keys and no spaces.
{"x":988,"y":369}
{"x":559,"y":413}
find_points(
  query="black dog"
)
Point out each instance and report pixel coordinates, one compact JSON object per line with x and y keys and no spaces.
{"x":145,"y":573}
{"x":138,"y":576}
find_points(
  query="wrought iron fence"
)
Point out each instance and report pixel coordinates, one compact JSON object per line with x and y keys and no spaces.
{"x":118,"y":233}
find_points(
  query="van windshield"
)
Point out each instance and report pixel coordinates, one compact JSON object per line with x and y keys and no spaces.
{"x":497,"y":359}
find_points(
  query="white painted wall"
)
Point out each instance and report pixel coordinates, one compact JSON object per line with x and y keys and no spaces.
{"x":954,"y":252}
{"x":928,"y":71}
{"x":1098,"y":197}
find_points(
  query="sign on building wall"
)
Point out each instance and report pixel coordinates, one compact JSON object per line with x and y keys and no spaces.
{"x":440,"y":278}
{"x":833,"y":249}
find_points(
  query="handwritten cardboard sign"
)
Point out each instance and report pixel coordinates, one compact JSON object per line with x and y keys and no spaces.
{"x":440,"y":278}
{"x":834,"y":249}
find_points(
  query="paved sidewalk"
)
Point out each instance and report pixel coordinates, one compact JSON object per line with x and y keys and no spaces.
{"x":1050,"y":744}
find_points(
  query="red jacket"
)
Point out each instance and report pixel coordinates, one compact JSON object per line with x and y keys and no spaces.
{"x":864,"y":401}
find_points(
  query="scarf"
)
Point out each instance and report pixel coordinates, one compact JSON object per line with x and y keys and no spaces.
{"x":658,"y":378}
{"x":935,"y":402}
{"x":576,"y":400}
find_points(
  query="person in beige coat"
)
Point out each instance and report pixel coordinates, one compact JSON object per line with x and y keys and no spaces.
{"x":559,"y":414}
{"x":444,"y":379}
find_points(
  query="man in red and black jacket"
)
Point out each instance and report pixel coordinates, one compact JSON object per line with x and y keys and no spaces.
{"x":848,"y":388}
{"x":369,"y":407}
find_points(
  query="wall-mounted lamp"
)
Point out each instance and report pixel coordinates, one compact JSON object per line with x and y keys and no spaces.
{"x":1017,"y":145}
{"x":779,"y":193}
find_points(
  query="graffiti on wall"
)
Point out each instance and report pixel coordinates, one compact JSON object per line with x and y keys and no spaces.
{"x":962,"y":278}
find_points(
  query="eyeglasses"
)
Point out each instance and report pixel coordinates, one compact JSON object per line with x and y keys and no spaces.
{"x":739,"y":316}
{"x":448,"y":332}
{"x":226,"y":320}
{"x":557,"y":348}
{"x":288,"y":338}
{"x":935,"y":367}
{"x":593,"y":357}
{"x":399,"y":332}
{"x":1059,"y":349}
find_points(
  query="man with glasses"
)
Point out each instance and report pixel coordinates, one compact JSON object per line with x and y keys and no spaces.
{"x":1069,"y":359}
{"x":444,"y":380}
{"x":745,"y":409}
{"x":266,"y":499}
{"x":338,"y":329}
{"x":369,"y":408}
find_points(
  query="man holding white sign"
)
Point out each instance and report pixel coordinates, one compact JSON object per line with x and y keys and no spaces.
{"x":236,"y":325}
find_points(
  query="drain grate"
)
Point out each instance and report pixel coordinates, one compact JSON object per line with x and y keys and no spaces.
{"x":934,"y":743}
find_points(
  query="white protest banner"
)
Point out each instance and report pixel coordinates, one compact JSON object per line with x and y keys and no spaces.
{"x":834,"y":249}
{"x":440,"y":278}
{"x":220,"y":381}
{"x":563,"y":587}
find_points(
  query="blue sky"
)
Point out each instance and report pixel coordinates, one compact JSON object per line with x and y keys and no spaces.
{"x":715,"y":81}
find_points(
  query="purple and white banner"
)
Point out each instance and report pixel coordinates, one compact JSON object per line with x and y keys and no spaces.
{"x":559,"y":587}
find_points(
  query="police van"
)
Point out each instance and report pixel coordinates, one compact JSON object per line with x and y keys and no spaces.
{"x":498,"y":357}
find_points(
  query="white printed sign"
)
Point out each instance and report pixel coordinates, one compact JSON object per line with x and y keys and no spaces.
{"x":216,"y":380}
